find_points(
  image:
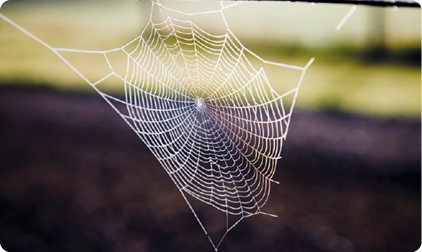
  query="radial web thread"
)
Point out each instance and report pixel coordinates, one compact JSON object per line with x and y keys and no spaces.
{"x":203,"y":108}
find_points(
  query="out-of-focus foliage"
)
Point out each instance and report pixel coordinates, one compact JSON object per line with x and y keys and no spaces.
{"x":371,"y":66}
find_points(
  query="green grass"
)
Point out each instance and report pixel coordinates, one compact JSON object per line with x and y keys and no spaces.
{"x":344,"y":77}
{"x":372,"y":89}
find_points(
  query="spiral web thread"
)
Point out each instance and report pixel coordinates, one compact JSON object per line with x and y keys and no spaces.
{"x":210,"y":117}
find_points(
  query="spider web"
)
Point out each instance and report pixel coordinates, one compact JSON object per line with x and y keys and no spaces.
{"x":203,"y":105}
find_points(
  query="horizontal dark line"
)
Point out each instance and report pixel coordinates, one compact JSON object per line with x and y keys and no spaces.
{"x":381,"y":3}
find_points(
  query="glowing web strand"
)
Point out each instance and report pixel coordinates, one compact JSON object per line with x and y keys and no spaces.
{"x":346,"y":17}
{"x":222,"y":148}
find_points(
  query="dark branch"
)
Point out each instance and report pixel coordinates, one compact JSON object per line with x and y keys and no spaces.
{"x":382,"y":3}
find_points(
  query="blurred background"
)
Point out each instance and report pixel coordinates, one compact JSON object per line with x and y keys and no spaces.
{"x":74,"y":177}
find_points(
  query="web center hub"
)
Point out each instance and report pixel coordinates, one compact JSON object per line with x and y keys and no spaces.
{"x":200,"y":104}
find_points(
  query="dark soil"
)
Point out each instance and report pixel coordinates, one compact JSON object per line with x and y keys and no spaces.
{"x":74,"y":177}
